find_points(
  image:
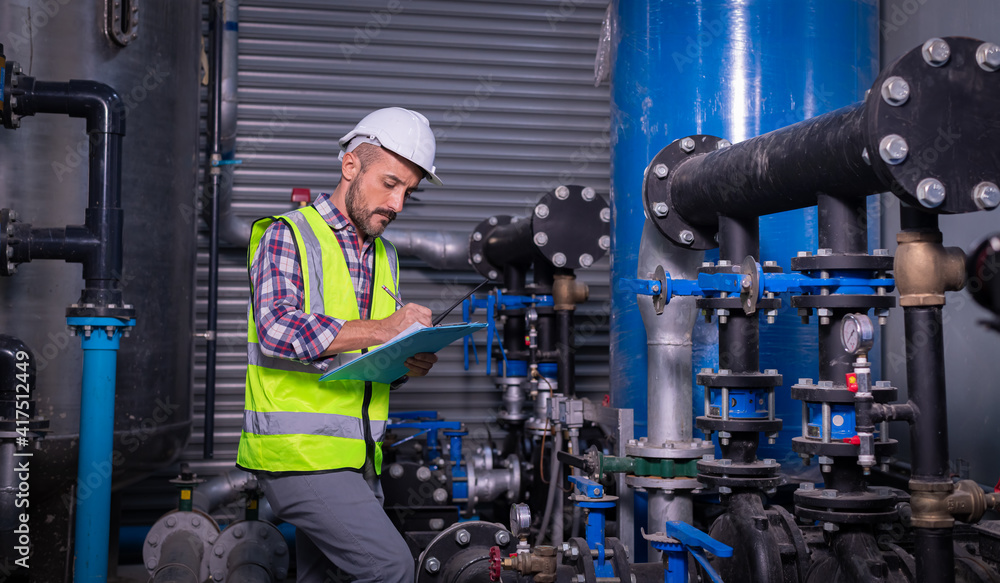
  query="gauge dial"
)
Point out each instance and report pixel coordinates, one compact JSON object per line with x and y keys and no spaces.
{"x":520,"y":519}
{"x":857,"y":333}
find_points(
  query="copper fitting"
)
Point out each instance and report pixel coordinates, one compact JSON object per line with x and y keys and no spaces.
{"x":567,"y":292}
{"x":924,"y":269}
{"x":541,"y":562}
{"x":928,"y":502}
{"x":968,"y":503}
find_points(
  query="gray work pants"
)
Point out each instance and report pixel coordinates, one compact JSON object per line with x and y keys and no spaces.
{"x":339,"y":520}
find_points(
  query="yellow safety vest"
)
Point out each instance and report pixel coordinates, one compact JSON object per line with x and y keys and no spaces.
{"x":291,"y":421}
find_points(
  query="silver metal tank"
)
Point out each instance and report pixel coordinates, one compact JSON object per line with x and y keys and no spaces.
{"x":43,"y":176}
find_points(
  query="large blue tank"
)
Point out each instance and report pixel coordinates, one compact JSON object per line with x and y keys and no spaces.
{"x":735,"y":69}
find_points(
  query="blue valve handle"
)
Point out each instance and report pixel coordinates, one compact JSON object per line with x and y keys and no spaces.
{"x":587,"y":487}
{"x":646,"y":287}
{"x":693,"y":538}
{"x":688,"y":539}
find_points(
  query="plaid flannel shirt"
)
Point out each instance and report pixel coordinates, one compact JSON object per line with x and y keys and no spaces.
{"x":283,"y":328}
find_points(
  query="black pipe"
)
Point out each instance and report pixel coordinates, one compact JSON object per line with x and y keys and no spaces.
{"x":843,"y":229}
{"x":739,"y":337}
{"x":925,"y":377}
{"x":99,"y":249}
{"x":214,"y":173}
{"x":935,"y":554}
{"x":778,"y":171}
{"x":511,"y":243}
{"x":567,"y":352}
{"x":929,"y":432}
{"x":842,"y":224}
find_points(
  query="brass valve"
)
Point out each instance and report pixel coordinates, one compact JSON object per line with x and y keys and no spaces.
{"x":924,"y":269}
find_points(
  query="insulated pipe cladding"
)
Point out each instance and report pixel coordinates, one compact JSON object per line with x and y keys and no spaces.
{"x":902,"y":138}
{"x":668,"y":332}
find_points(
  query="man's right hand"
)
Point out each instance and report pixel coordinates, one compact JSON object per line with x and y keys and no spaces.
{"x":358,"y":334}
{"x":403,"y":318}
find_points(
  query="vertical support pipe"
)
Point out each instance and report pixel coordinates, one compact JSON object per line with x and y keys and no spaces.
{"x":925,"y":376}
{"x":101,"y":338}
{"x":213,"y":170}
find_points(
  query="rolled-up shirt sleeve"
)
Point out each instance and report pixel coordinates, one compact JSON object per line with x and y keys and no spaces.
{"x":284,"y":329}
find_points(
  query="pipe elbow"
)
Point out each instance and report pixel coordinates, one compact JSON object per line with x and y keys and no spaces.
{"x":100,"y":104}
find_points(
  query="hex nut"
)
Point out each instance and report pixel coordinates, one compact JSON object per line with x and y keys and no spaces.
{"x":893,"y":149}
{"x":606,"y":214}
{"x":988,"y":56}
{"x":432,"y":565}
{"x":586,"y":260}
{"x":502,"y":538}
{"x":462,"y":537}
{"x":987,"y":195}
{"x":661,"y":209}
{"x":562,"y":193}
{"x":477,"y":236}
{"x":930,"y":192}
{"x":605,"y":242}
{"x":559,"y":259}
{"x":895,"y":91}
{"x":542,"y":211}
{"x":936,"y":52}
{"x":396,"y":471}
{"x":477,"y":258}
{"x":687,"y":144}
{"x":687,"y":236}
{"x":541,"y":238}
{"x":493,"y":221}
{"x":588,"y":194}
{"x":722,"y":144}
{"x":661,"y":170}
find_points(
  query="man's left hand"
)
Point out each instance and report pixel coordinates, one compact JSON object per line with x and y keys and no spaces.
{"x":420,"y":364}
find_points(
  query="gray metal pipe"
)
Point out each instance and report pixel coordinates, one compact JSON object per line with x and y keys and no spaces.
{"x":438,"y":249}
{"x":669,"y":345}
{"x":226,"y":489}
{"x":233,"y":230}
{"x":246,"y":563}
{"x":180,"y":559}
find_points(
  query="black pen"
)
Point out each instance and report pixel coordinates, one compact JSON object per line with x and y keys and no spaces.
{"x":399,"y":302}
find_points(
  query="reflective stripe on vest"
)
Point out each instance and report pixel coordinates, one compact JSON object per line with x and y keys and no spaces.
{"x":292,"y":422}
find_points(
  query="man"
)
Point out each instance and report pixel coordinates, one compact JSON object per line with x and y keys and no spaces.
{"x":316,"y":275}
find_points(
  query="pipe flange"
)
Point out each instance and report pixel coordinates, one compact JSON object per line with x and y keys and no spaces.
{"x":842,"y":262}
{"x":846,"y":517}
{"x":477,"y":244}
{"x":844,"y":302}
{"x":739,"y":380}
{"x":874,"y":499}
{"x":574,"y":226}
{"x":255,"y":539}
{"x":453,"y":553}
{"x":693,"y":449}
{"x":737,"y":424}
{"x":656,"y":197}
{"x":196,"y":522}
{"x":953,"y":150}
{"x":735,"y":303}
{"x":667,"y":484}
{"x":840,"y":448}
{"x":811,"y":393}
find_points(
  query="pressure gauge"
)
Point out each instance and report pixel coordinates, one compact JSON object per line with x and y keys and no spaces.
{"x":520,"y":520}
{"x":857,"y":333}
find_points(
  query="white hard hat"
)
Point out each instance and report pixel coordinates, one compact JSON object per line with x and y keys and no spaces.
{"x":398,"y":130}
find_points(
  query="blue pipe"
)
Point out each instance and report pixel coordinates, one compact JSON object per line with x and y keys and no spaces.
{"x":95,"y":466}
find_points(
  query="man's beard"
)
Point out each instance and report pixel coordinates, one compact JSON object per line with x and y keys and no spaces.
{"x":361,"y":217}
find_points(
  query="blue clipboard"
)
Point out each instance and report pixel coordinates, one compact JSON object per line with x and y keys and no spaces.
{"x":387,"y":362}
